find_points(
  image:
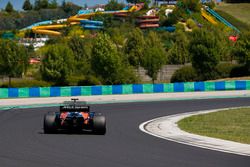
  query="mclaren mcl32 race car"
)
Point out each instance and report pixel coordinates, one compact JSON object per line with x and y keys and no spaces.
{"x":74,"y":116}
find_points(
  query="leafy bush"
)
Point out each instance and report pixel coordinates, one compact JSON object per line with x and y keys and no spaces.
{"x":239,"y":71}
{"x":184,"y":74}
{"x":89,"y":80}
{"x":178,"y":53}
{"x":14,"y":59}
{"x":134,"y":47}
{"x":242,"y":49}
{"x":27,"y":83}
{"x":193,"y":5}
{"x":224,"y":69}
{"x":58,"y":64}
{"x":106,"y":61}
{"x":114,"y":5}
{"x":180,"y":27}
{"x":74,"y":80}
{"x":191,"y":24}
{"x":154,"y":55}
{"x":171,"y":20}
{"x":205,"y":50}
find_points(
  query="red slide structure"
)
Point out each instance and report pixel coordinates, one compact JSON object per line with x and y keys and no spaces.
{"x":148,"y":21}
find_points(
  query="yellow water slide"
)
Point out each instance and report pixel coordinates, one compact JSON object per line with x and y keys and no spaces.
{"x":49,"y":29}
{"x":208,"y":17}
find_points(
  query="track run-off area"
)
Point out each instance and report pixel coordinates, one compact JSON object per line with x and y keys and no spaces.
{"x":23,"y":142}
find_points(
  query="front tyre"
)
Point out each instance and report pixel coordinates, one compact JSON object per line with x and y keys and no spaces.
{"x":49,"y":124}
{"x":99,"y":125}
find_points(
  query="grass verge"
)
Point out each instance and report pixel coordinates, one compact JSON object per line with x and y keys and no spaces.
{"x":231,"y":125}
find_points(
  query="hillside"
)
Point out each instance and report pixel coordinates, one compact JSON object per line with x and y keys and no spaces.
{"x":239,"y":10}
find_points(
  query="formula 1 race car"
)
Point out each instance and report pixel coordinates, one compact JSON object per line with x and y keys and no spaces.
{"x":74,"y":116}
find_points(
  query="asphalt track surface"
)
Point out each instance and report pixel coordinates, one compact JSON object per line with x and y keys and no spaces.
{"x":23,"y":144}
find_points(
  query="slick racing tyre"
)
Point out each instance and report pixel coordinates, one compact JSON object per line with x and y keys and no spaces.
{"x":99,"y":124}
{"x":49,"y":124}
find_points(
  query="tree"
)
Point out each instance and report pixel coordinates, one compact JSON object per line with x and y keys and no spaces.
{"x":14,"y":59}
{"x":114,"y":5}
{"x":178,"y":53}
{"x":41,"y":4}
{"x":117,"y":36}
{"x":85,"y":6}
{"x":134,"y":47}
{"x":53,"y":4}
{"x":58,"y":64}
{"x":193,"y":5}
{"x":70,"y":8}
{"x":82,"y":53}
{"x":9,"y":7}
{"x":37,"y":5}
{"x":204,"y":49}
{"x":105,"y":60}
{"x":76,"y":44}
{"x":154,"y":55}
{"x":44,"y":4}
{"x":242,"y":49}
{"x":107,"y":63}
{"x":27,"y":5}
{"x":146,"y":2}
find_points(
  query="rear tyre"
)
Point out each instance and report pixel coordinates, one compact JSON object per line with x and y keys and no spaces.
{"x":49,"y":124}
{"x":99,"y":125}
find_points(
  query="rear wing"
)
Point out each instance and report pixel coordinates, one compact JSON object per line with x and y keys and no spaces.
{"x":74,"y":108}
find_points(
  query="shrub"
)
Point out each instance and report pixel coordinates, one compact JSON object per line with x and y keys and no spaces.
{"x":58,"y":64}
{"x":89,"y":80}
{"x":193,"y":5}
{"x":205,"y":50}
{"x":184,"y":74}
{"x":114,"y":5}
{"x":178,"y":53}
{"x":224,"y":69}
{"x":171,"y":20}
{"x":191,"y":24}
{"x":154,"y":55}
{"x":239,"y":71}
{"x":180,"y":27}
{"x":27,"y":83}
{"x":74,"y":80}
{"x":242,"y":49}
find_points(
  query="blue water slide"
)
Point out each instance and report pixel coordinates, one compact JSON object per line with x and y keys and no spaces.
{"x":126,"y":8}
{"x":80,"y":12}
{"x":38,"y":24}
{"x":92,"y":27}
{"x":169,"y":29}
{"x":216,"y":15}
{"x":91,"y":22}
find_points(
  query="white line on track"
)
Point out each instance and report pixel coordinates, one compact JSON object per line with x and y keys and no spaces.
{"x":167,"y":128}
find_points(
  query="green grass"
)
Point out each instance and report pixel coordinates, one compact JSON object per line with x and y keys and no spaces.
{"x":237,"y":23}
{"x":239,"y":10}
{"x":231,"y":125}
